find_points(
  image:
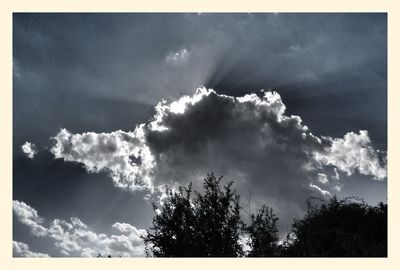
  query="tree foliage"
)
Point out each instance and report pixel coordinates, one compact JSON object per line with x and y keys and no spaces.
{"x":207,"y":225}
{"x":340,"y":228}
{"x":174,"y":227}
{"x":218,"y":219}
{"x":263,"y":234}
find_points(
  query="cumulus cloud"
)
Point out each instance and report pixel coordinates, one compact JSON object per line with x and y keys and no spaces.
{"x":354,"y":153}
{"x":29,"y":216}
{"x":75,"y":238}
{"x":22,"y":250}
{"x":124,"y":155}
{"x":29,"y":149}
{"x":248,"y":139}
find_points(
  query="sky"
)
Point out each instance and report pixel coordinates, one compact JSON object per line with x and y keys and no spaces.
{"x":109,"y":108}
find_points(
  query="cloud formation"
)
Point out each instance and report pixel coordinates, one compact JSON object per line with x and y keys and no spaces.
{"x":354,"y":153}
{"x":124,"y":155}
{"x":29,"y":149}
{"x":29,"y":216}
{"x":75,"y":238}
{"x":248,"y":139}
{"x":22,"y":250}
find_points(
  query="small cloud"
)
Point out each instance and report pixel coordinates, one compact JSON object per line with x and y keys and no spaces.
{"x":29,"y":149}
{"x":322,"y":178}
{"x":320,"y":190}
{"x":336,"y":176}
{"x":295,"y":48}
{"x":179,"y":57}
{"x":337,"y":188}
{"x":16,"y":69}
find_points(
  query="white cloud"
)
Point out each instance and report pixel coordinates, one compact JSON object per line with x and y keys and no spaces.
{"x":323,"y":178}
{"x":22,"y":250}
{"x":124,"y":155}
{"x":353,"y":153}
{"x":248,"y":139}
{"x":29,"y":216}
{"x":336,"y":175}
{"x":179,"y":57}
{"x":75,"y":238}
{"x":29,"y":149}
{"x":126,"y":228}
{"x":320,"y":190}
{"x":337,"y":188}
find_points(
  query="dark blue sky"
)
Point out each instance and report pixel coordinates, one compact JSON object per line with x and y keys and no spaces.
{"x":106,"y":72}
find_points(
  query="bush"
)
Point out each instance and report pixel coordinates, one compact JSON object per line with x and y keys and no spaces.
{"x":340,"y":228}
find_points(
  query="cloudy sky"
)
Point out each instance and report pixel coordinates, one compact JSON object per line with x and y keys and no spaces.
{"x":108,"y":108}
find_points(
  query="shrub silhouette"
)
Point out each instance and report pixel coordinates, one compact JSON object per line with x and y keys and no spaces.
{"x":340,"y":228}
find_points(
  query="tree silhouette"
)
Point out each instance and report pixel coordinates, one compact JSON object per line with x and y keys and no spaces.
{"x":218,"y":219}
{"x":340,"y":228}
{"x":263,"y":234}
{"x":207,"y":225}
{"x":173,"y":227}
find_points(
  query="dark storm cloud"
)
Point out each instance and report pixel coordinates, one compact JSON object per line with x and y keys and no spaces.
{"x":248,"y":139}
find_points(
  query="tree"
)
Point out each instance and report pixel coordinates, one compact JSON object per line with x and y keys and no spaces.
{"x":208,"y":225}
{"x":174,"y":228}
{"x":263,"y":234}
{"x":340,"y":228}
{"x":218,"y":219}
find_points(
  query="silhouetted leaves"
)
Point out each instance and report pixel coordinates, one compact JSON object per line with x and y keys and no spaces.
{"x":174,"y":228}
{"x":263,"y":234}
{"x":218,"y":219}
{"x":340,"y":228}
{"x":207,"y":225}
